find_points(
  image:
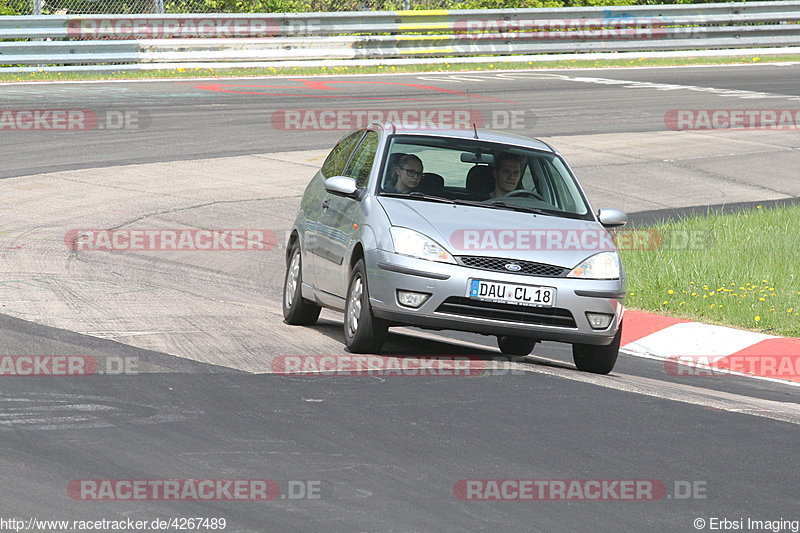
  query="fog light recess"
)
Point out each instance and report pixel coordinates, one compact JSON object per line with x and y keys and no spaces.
{"x":599,"y":320}
{"x":411,"y":298}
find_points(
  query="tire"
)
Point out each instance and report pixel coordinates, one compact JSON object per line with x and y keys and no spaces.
{"x":519,"y":346}
{"x":363,"y":333}
{"x":597,"y":359}
{"x":296,"y":310}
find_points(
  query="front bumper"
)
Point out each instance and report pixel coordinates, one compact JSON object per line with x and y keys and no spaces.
{"x":448,"y":307}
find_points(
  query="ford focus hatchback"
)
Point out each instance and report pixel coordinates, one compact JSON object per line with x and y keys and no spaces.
{"x":463,"y":230}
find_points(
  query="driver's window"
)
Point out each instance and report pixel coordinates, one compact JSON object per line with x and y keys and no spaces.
{"x":564,"y":199}
{"x":527,"y":177}
{"x":538,"y":181}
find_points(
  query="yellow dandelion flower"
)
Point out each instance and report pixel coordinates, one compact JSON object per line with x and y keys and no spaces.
{"x":670,"y":291}
{"x":757,"y":318}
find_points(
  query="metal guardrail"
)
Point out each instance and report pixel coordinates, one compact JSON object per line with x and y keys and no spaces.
{"x":134,"y":39}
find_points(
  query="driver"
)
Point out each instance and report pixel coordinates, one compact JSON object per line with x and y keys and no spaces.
{"x":506,"y":173}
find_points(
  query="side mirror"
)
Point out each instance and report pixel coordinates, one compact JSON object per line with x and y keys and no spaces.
{"x":612,"y":218}
{"x":342,"y":186}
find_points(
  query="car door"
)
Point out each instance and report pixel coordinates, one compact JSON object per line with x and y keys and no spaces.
{"x":335,"y":227}
{"x":315,"y":196}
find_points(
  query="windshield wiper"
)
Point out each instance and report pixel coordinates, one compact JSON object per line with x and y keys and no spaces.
{"x":472,"y":202}
{"x":522,"y":208}
{"x":502,"y":205}
{"x":418,"y":196}
{"x":540,"y":211}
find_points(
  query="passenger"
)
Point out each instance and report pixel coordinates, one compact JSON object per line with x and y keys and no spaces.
{"x":405,"y":175}
{"x":506,"y":173}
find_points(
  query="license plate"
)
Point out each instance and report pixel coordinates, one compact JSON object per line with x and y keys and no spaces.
{"x":511,"y":293}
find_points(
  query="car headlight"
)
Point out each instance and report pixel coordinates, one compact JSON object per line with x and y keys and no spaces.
{"x":415,"y":244}
{"x":605,"y":265}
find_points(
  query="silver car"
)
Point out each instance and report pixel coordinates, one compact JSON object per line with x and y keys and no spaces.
{"x":472,"y":230}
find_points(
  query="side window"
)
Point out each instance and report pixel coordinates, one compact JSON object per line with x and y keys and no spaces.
{"x":337,"y":159}
{"x":527,"y":177}
{"x":361,"y":164}
{"x":563,"y":198}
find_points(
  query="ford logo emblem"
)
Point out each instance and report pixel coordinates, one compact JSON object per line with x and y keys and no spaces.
{"x":513,"y":267}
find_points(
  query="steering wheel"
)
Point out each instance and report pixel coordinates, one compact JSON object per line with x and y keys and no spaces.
{"x":525,"y":192}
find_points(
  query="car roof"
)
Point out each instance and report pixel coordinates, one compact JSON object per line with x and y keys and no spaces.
{"x":483,"y":135}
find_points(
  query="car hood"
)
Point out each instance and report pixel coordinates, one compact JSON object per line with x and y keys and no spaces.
{"x":487,"y":232}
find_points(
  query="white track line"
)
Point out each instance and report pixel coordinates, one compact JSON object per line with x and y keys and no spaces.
{"x":425,"y":73}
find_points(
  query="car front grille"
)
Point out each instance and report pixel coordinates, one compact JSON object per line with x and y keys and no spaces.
{"x":523,"y":314}
{"x":498,"y":264}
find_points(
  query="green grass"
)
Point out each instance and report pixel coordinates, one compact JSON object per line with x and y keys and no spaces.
{"x":745,"y":276}
{"x":439,"y":67}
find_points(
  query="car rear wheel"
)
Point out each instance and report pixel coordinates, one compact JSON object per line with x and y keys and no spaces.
{"x":296,"y":310}
{"x":363,"y":333}
{"x":519,"y":346}
{"x":597,"y":359}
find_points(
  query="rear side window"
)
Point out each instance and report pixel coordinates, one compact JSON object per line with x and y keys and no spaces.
{"x":337,"y":159}
{"x":361,"y":165}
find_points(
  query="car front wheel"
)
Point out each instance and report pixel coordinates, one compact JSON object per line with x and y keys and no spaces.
{"x":296,"y":310}
{"x":597,"y":359}
{"x":363,"y":333}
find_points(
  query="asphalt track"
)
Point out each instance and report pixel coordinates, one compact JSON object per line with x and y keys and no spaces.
{"x":214,"y":118}
{"x":386,"y":452}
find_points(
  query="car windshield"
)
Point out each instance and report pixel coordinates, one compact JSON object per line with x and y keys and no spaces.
{"x":481,"y":173}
